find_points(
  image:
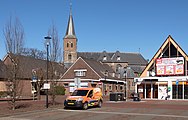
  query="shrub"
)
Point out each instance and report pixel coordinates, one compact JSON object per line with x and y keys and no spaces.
{"x":60,"y":90}
{"x":3,"y":93}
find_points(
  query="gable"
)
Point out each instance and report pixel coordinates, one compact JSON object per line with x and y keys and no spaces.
{"x":80,"y":64}
{"x":168,"y":49}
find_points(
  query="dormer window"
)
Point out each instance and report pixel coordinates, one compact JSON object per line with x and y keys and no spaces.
{"x":118,"y":58}
{"x":104,"y":58}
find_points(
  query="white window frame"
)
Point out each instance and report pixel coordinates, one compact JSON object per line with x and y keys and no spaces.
{"x":80,"y":72}
{"x":104,"y":58}
{"x":118,"y":58}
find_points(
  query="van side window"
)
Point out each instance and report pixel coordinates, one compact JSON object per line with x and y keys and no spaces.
{"x":90,"y":93}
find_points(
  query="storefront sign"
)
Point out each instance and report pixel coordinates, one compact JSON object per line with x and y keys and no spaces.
{"x":170,"y":66}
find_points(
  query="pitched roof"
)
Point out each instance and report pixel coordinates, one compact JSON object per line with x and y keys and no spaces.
{"x":131,"y":58}
{"x":159,"y":52}
{"x":27,"y":64}
{"x":97,"y":67}
{"x":2,"y":70}
{"x":89,"y":55}
{"x":137,"y":69}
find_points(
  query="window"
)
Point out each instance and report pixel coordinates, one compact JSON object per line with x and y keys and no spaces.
{"x":104,"y":58}
{"x":110,"y":87}
{"x":116,"y":87}
{"x":80,"y":93}
{"x":69,"y":57}
{"x":129,"y":85}
{"x":118,"y":58}
{"x":71,"y":45}
{"x":90,"y":93}
{"x":121,"y":87}
{"x":81,"y":72}
{"x":118,"y":68}
{"x":67,"y":44}
{"x":105,"y":87}
{"x":66,"y":85}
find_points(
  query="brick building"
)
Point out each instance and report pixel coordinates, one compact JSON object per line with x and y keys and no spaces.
{"x":124,"y":65}
{"x":24,"y":67}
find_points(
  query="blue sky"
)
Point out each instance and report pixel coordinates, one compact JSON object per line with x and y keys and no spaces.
{"x":110,"y":25}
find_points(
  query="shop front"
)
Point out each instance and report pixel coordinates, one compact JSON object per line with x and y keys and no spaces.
{"x":162,"y":88}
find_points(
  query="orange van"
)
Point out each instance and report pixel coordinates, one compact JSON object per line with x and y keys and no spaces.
{"x":84,"y":98}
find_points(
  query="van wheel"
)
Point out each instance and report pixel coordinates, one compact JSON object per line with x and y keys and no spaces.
{"x":99,"y":103}
{"x":85,"y":106}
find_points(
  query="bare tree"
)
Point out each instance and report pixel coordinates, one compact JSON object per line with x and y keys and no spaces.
{"x":38,"y":73}
{"x":53,"y":85}
{"x":55,"y":55}
{"x":33,"y":52}
{"x":55,"y":49}
{"x":14,"y":85}
{"x":14,"y":40}
{"x":14,"y":36}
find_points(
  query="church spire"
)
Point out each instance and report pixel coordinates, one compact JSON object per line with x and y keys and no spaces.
{"x":70,"y":33}
{"x":70,"y":42}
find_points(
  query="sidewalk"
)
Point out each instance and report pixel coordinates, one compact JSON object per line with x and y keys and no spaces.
{"x":28,"y":104}
{"x":21,"y":98}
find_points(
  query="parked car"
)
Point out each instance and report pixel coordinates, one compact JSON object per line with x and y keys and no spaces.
{"x":84,"y":98}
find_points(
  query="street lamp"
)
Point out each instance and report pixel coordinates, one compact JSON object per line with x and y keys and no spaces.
{"x":47,"y":45}
{"x":125,"y":85}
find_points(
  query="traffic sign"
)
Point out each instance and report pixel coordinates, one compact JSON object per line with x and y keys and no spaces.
{"x":46,"y":86}
{"x":177,"y":82}
{"x":34,"y":78}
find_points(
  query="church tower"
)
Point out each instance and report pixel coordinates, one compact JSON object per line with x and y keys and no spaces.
{"x":70,"y":43}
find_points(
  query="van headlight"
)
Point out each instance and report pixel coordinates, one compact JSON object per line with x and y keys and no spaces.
{"x":80,"y":99}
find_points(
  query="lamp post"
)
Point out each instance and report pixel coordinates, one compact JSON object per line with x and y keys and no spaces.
{"x":47,"y":45}
{"x":125,"y":85}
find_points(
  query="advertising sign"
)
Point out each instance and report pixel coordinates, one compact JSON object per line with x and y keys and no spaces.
{"x":170,"y":66}
{"x":162,"y":92}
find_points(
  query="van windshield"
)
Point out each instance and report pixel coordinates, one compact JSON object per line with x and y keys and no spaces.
{"x":80,"y":93}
